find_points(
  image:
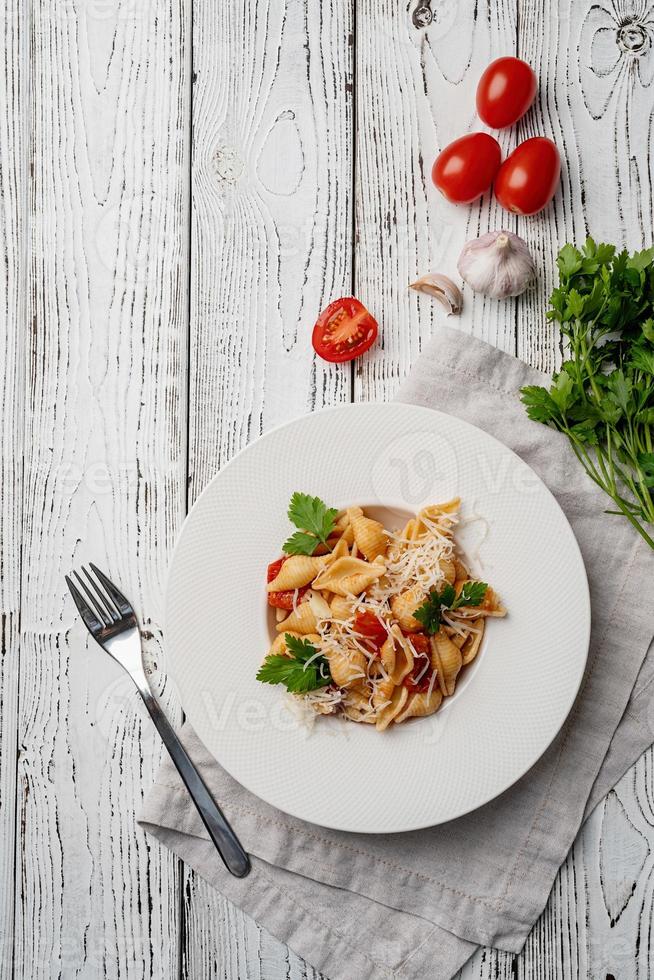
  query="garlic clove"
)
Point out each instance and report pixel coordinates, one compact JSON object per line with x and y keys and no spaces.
{"x":441,"y":288}
{"x":498,"y":264}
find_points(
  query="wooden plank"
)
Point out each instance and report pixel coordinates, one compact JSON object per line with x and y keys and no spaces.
{"x":13,"y":292}
{"x":271,"y":245}
{"x":422,"y":63}
{"x":104,"y":474}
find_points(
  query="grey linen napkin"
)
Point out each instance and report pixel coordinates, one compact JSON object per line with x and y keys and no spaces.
{"x":418,"y":904}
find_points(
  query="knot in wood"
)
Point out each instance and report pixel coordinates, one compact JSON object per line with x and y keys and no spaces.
{"x":633,"y":38}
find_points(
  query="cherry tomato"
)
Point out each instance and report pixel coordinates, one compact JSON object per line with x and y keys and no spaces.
{"x":528,"y":178}
{"x":284,"y":598}
{"x":465,"y":169}
{"x":505,"y":92}
{"x":367,"y":624}
{"x":344,"y":330}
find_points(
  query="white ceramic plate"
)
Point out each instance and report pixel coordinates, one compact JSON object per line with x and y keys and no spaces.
{"x":510,"y":702}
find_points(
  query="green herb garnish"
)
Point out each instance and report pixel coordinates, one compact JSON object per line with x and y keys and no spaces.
{"x":294,"y":672}
{"x":315,"y":521}
{"x":603,"y":396}
{"x":430,"y":613}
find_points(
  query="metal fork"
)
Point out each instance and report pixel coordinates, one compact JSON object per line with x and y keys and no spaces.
{"x":112,"y":622}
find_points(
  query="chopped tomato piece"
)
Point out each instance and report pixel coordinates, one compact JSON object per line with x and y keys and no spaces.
{"x":344,"y":330}
{"x":419,"y":678}
{"x":420,"y":642}
{"x":274,"y":567}
{"x":367,"y":624}
{"x":284,"y":599}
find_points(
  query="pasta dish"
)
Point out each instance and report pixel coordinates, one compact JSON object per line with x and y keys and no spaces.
{"x":373,"y":624}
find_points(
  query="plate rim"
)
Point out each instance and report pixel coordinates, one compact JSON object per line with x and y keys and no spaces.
{"x":587,"y":612}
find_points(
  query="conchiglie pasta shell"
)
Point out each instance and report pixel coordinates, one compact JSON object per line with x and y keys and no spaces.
{"x":279,"y":644}
{"x":387,"y":655}
{"x":446,"y":659}
{"x":302,"y":620}
{"x":420,"y":705}
{"x":370,"y":537}
{"x":340,"y":550}
{"x":403,"y":656}
{"x":471,"y":644}
{"x":491,"y":606}
{"x":345,"y":669}
{"x":448,"y":569}
{"x":403,"y":607}
{"x":387,"y":714}
{"x":297,"y":571}
{"x":341,"y":608}
{"x":349,"y":576}
{"x":441,"y":514}
{"x":356,"y":706}
{"x":383,"y":693}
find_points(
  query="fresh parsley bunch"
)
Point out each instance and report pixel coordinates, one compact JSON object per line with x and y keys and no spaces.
{"x":294,"y":671}
{"x":430,"y":613}
{"x":603,"y":396}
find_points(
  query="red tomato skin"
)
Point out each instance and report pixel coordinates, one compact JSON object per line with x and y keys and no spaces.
{"x":274,"y":567}
{"x":367,"y":624}
{"x":527,"y":180}
{"x":284,"y":598}
{"x":329,"y":336}
{"x":506,"y":90}
{"x":465,"y":169}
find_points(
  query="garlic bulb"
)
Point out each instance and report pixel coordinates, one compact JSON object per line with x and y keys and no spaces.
{"x":442,"y":289}
{"x":498,"y":264}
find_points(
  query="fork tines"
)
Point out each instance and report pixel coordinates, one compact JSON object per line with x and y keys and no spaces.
{"x":101,"y":605}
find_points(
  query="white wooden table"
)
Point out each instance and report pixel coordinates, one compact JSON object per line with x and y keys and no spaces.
{"x":184,"y":185}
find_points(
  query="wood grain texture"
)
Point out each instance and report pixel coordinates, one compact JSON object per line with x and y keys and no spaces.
{"x":271,"y":245}
{"x":314,"y":130}
{"x":13,"y":315}
{"x":104,"y":474}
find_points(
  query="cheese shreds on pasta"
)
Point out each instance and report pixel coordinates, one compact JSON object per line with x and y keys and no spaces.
{"x":375,"y":665}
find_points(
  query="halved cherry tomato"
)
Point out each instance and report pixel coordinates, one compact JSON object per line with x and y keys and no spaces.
{"x":505,"y":91}
{"x":284,"y":598}
{"x":344,"y":330}
{"x":465,"y":169}
{"x":528,"y":178}
{"x":367,"y":624}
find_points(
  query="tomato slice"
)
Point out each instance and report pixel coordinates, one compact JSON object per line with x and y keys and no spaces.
{"x":343,"y":331}
{"x":367,"y":624}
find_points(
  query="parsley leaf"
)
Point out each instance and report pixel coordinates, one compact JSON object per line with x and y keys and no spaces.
{"x":472,"y":594}
{"x":603,"y":397}
{"x":315,"y":522}
{"x":430,"y":613}
{"x":294,"y":672}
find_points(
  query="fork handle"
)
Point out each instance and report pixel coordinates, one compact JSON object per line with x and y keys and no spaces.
{"x":227,"y":843}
